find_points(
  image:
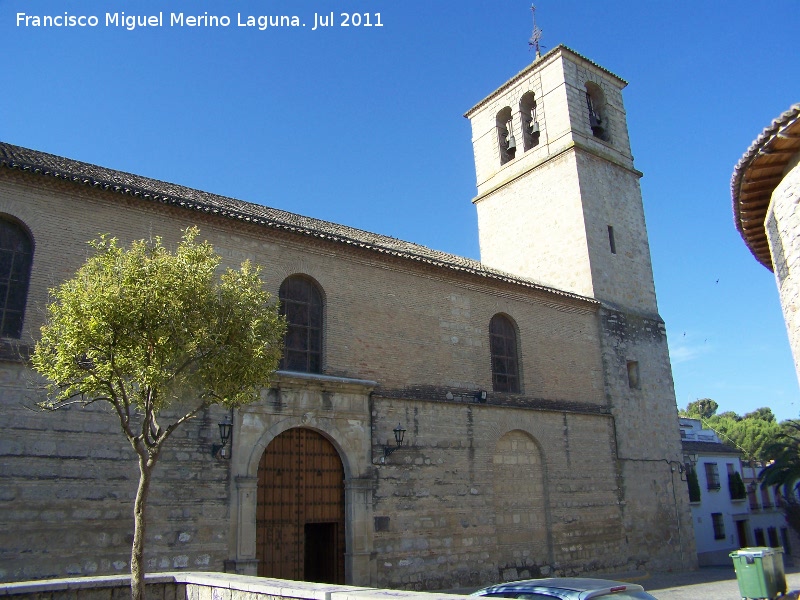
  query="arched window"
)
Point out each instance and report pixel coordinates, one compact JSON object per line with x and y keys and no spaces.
{"x":530,"y":124}
{"x":505,"y":135}
{"x":503,"y":346}
{"x":596,"y":108}
{"x":301,"y":304}
{"x":16,"y":256}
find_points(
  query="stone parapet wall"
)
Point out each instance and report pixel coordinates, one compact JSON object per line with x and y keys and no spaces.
{"x":202,"y":586}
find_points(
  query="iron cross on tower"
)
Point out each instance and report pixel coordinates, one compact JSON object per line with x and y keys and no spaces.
{"x":536,"y":35}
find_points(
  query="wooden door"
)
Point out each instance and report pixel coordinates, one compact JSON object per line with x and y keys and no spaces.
{"x":300,"y":513}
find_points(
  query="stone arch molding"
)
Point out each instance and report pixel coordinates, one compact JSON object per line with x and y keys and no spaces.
{"x":521,"y":505}
{"x":306,"y":420}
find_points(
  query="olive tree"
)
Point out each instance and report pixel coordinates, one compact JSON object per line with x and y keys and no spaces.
{"x":143,"y":329}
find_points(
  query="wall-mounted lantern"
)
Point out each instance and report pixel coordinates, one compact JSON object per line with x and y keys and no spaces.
{"x":399,"y":436}
{"x":225,"y":430}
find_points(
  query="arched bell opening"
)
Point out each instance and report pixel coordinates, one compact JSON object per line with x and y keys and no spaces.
{"x":529,"y":120}
{"x":505,"y":135}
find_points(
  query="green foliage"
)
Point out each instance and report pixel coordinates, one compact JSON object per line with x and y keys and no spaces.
{"x":736,"y":486}
{"x":694,"y":486}
{"x":751,"y":434}
{"x":762,"y":414}
{"x":700,"y":409}
{"x":783,"y":470}
{"x":784,"y":454}
{"x":729,"y":414}
{"x":144,"y":328}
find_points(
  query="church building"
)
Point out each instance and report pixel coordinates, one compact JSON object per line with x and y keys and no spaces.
{"x":532,"y":389}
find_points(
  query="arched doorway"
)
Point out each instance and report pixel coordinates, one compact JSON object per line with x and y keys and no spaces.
{"x":519,"y":501}
{"x":300,"y":514}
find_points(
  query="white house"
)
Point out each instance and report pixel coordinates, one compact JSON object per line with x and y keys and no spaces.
{"x":728,"y":515}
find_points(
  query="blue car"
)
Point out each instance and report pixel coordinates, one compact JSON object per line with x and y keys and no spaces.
{"x":566,"y":588}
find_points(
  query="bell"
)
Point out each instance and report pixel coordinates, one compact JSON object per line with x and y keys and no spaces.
{"x":534,"y":127}
{"x":594,"y":122}
{"x":512,"y":143}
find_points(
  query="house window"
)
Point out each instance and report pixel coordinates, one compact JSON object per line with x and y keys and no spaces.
{"x":785,"y":539}
{"x":530,"y":124}
{"x":503,"y":346}
{"x":712,"y":476}
{"x":16,"y":257}
{"x":505,"y":135}
{"x":752,"y":497}
{"x":766,"y":502}
{"x":759,"y":535}
{"x":719,"y":526}
{"x":301,"y":304}
{"x":772,"y":533}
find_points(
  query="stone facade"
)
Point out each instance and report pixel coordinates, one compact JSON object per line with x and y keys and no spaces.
{"x":783,"y":232}
{"x":550,"y":213}
{"x":572,"y":474}
{"x":766,"y":192}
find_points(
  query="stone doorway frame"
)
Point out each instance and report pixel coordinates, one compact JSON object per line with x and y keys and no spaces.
{"x":339,"y":409}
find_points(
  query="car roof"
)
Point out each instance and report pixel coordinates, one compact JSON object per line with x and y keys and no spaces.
{"x":575,"y":584}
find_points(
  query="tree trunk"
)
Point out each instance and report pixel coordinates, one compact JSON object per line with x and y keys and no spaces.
{"x":139,"y":522}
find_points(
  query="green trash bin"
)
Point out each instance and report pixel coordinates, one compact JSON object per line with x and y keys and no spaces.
{"x":779,"y":573}
{"x":759,"y":572}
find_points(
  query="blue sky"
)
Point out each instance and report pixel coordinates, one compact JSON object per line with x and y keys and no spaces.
{"x":363,"y":126}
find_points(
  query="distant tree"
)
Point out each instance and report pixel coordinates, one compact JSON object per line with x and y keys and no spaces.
{"x":783,"y":470}
{"x":729,"y":414}
{"x":751,"y":435}
{"x":784,"y":454}
{"x":700,"y":409}
{"x":144,"y":330}
{"x":762,"y":414}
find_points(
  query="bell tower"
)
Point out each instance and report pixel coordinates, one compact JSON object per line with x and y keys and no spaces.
{"x":558,"y":196}
{"x":559,"y":203}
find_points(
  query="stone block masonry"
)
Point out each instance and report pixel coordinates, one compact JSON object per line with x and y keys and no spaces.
{"x":783,"y":232}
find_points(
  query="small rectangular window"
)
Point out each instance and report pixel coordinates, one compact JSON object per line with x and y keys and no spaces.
{"x":381,"y":524}
{"x":772,"y":534}
{"x":719,"y":526}
{"x":785,"y":541}
{"x":752,"y":498}
{"x":760,"y":540}
{"x":633,"y":376}
{"x":712,"y":476}
{"x":611,"y":243}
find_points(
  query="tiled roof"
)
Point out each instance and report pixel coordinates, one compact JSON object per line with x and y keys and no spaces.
{"x":708,"y":448}
{"x":153,"y":190}
{"x":756,"y":176}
